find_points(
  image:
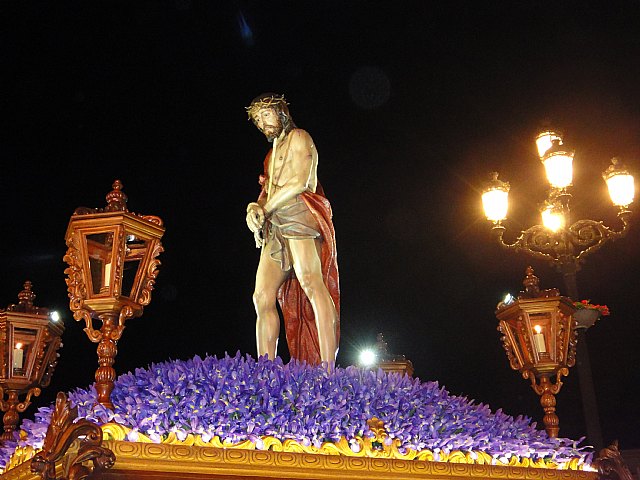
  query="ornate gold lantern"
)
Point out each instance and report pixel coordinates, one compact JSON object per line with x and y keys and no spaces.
{"x":29,"y":343}
{"x":539,"y":336}
{"x":112,"y":270}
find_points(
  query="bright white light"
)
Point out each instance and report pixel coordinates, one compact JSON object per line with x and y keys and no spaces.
{"x":621,"y":189}
{"x":559,"y":168}
{"x":367,"y":358}
{"x":18,"y":345}
{"x":55,"y":316}
{"x":495,"y":203}
{"x":508,"y":299}
{"x":544,"y":141}
{"x":552,"y":219}
{"x":537,"y":328}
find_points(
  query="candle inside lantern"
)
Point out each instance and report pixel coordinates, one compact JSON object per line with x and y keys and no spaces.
{"x":18,"y":356}
{"x":538,"y":339}
{"x":107,"y":274}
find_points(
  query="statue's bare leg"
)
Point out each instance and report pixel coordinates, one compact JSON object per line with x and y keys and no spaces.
{"x":306,"y":263}
{"x":269,"y":277}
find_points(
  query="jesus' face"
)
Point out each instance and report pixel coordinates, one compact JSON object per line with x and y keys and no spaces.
{"x":268,"y":122}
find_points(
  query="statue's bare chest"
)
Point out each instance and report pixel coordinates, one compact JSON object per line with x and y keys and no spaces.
{"x":280,"y":167}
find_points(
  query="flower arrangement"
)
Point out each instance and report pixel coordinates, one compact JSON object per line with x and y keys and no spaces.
{"x":239,"y":398}
{"x":586,"y":305}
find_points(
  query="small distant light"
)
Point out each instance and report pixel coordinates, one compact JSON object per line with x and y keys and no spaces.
{"x":18,"y":345}
{"x":131,"y":238}
{"x":537,"y":328}
{"x":367,"y":358}
{"x":55,"y":316}
{"x":508,"y":299}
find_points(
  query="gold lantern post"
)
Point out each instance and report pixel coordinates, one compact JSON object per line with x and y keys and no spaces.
{"x":29,"y":343}
{"x":112,"y":270}
{"x":539,"y":337}
{"x":563,"y":242}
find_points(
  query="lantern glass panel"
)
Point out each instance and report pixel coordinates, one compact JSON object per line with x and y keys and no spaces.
{"x":541,"y":334}
{"x":544,"y":141}
{"x":495,"y":203}
{"x":136,"y":249}
{"x":559,"y":168}
{"x":23,"y":341}
{"x":552,"y":218}
{"x":99,"y":248}
{"x":621,"y":189}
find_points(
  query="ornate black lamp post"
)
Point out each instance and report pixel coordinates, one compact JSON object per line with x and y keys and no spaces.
{"x":562,"y":243}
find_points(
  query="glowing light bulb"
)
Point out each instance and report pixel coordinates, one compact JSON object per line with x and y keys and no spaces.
{"x":367,"y":358}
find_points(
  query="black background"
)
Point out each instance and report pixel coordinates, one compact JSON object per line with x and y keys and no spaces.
{"x":410,"y":104}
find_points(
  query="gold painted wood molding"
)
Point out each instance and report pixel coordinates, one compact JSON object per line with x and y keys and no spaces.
{"x":164,"y":462}
{"x":234,"y":463}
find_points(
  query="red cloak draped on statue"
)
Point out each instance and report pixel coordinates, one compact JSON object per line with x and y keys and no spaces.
{"x":299,"y":320}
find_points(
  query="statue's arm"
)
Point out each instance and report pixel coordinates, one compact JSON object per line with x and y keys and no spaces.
{"x":301,"y":163}
{"x":255,"y":211}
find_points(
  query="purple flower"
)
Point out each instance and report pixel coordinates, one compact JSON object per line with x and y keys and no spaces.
{"x":239,"y":398}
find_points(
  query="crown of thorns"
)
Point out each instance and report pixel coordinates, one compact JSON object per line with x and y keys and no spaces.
{"x":265,"y":102}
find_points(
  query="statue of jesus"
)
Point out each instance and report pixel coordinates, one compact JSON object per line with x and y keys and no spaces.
{"x":292,"y":224}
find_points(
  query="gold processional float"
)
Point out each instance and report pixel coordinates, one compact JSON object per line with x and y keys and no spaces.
{"x":112,"y":256}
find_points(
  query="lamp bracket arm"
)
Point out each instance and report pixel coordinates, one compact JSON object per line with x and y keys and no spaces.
{"x":532,"y":241}
{"x":94,"y":335}
{"x":590,"y":235}
{"x":545,"y":385}
{"x":22,"y":406}
{"x":529,"y":375}
{"x":125,"y":313}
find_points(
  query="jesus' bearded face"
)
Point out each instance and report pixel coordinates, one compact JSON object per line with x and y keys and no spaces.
{"x":268,"y":122}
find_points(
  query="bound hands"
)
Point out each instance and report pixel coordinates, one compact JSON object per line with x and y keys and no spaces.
{"x":255,"y":221}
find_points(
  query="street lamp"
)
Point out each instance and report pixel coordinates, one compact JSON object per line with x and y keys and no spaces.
{"x":539,"y":337}
{"x":112,"y":270}
{"x":29,"y":343}
{"x":562,"y":243}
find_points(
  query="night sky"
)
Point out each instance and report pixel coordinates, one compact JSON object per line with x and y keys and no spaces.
{"x":410,"y":104}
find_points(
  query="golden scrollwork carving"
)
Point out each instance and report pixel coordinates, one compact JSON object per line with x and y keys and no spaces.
{"x":61,"y":434}
{"x":75,"y":284}
{"x":12,"y":406}
{"x":243,"y":463}
{"x":151,"y":274}
{"x":378,"y":457}
{"x":507,"y":344}
{"x":379,"y":446}
{"x":611,"y":465}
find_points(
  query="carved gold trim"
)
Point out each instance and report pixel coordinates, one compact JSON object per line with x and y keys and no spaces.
{"x":240,"y":463}
{"x":193,"y":454}
{"x":365,"y":448}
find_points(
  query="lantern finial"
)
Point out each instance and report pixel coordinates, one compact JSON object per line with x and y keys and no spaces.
{"x":531,"y":284}
{"x":26,"y":296}
{"x":116,"y":199}
{"x":25,"y":302}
